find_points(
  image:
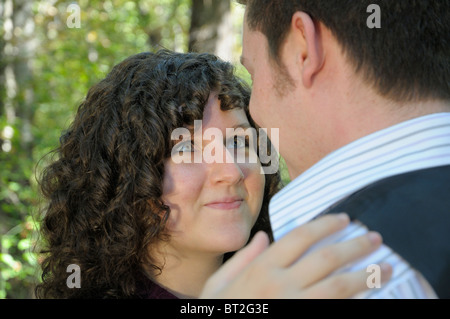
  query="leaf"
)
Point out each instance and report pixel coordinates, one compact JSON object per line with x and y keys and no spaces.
{"x":8,"y":260}
{"x":15,"y":187}
{"x":24,"y":244}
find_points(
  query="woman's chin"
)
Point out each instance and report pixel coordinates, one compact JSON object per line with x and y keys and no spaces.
{"x":233,"y":243}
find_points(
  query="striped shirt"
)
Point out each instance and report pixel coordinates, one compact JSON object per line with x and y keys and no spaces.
{"x":416,"y":144}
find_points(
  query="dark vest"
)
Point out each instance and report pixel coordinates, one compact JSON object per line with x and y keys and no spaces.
{"x":412,"y":213}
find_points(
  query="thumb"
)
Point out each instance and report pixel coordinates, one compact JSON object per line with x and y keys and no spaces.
{"x":235,"y":265}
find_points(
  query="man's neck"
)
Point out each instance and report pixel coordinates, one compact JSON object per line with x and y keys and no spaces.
{"x":362,"y":120}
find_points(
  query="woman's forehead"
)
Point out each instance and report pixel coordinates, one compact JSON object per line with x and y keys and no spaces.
{"x":213,"y":115}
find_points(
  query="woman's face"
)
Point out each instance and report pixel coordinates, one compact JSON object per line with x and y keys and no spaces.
{"x":213,"y":204}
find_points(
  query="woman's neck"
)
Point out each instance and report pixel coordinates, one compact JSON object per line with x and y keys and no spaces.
{"x":186,"y":276}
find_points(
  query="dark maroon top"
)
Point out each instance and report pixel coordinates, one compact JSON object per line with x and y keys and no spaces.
{"x":148,"y":289}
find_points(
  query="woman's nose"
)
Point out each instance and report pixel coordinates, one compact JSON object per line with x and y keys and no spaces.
{"x":226,"y":169}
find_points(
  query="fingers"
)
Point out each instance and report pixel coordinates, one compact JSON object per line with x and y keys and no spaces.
{"x":290,"y":248}
{"x":246,"y":255}
{"x":345,"y":285}
{"x":322,"y":262}
{"x":283,"y":270}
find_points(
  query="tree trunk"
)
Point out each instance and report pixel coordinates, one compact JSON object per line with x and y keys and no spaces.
{"x":17,"y":94}
{"x":17,"y":110}
{"x":211,"y":28}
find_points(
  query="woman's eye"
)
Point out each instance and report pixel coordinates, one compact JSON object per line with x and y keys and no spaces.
{"x":238,"y":142}
{"x":187,"y":146}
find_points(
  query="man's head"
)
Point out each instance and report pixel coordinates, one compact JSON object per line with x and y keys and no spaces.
{"x":317,"y":64}
{"x":407,"y":58}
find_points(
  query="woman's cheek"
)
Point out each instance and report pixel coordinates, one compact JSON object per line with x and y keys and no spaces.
{"x":255,"y":182}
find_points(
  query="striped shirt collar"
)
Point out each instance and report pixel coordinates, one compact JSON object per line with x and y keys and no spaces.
{"x":419,"y":143}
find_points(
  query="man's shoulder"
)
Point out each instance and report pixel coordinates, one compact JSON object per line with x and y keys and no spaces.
{"x":421,"y":187}
{"x":412,"y":212}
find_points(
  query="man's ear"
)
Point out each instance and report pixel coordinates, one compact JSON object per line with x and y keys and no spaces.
{"x":310,"y":54}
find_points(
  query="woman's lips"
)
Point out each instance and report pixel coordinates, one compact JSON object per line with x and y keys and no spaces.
{"x":226,"y":204}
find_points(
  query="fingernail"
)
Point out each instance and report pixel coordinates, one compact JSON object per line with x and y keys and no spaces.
{"x":386,"y":271}
{"x":343,"y":217}
{"x":374,"y":237}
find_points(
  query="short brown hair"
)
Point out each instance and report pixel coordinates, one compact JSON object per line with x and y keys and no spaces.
{"x":406,"y":59}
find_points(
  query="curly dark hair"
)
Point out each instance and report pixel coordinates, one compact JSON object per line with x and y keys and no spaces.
{"x":103,"y":190}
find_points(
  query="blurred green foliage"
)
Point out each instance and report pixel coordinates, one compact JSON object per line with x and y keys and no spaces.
{"x":64,"y":63}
